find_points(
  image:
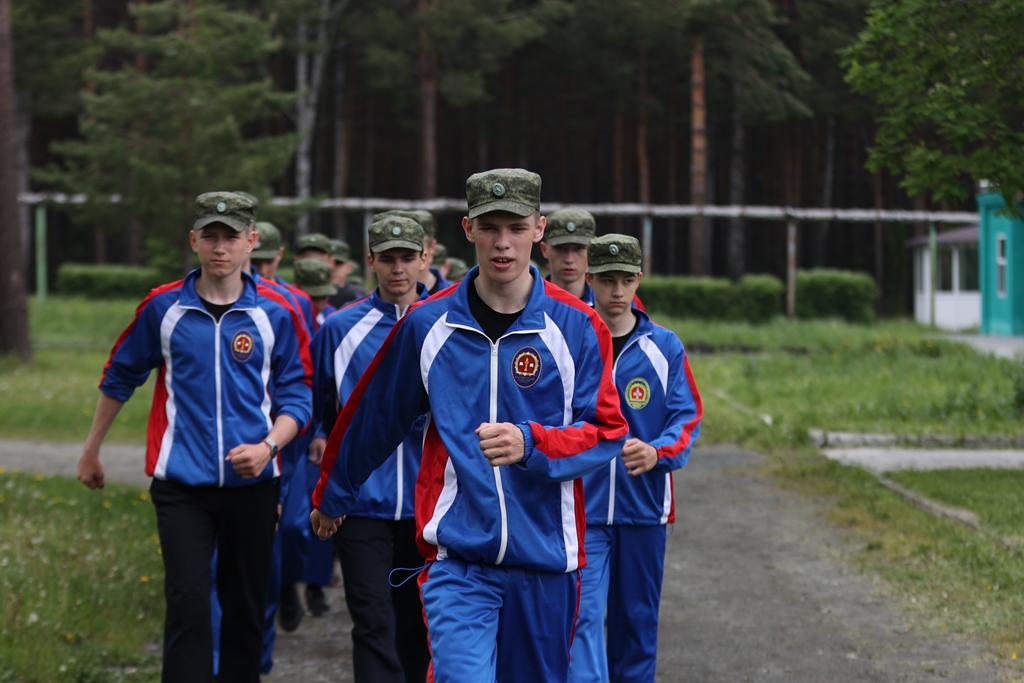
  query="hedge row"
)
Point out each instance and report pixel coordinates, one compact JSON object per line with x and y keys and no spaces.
{"x":836,"y":294}
{"x":756,"y":299}
{"x":107,"y":281}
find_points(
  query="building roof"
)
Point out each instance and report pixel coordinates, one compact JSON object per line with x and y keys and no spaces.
{"x":968,"y":234}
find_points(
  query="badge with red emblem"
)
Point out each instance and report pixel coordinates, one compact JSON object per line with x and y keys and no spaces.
{"x":526,"y":367}
{"x":242,"y":345}
{"x":638,"y":393}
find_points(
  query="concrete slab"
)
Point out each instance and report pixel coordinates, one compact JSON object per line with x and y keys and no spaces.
{"x":122,"y":464}
{"x":1001,"y":347}
{"x":892,"y":459}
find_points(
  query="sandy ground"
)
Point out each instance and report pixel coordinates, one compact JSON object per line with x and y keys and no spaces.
{"x":757,"y":588}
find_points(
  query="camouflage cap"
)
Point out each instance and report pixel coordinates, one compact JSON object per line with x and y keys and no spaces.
{"x":314,"y":277}
{"x":396,"y":232}
{"x":228,"y":208}
{"x":251,"y":197}
{"x":457,"y":268}
{"x":440,"y":255}
{"x":569,"y":226}
{"x":339,"y":250}
{"x":614,"y":252}
{"x":505,"y":189}
{"x":269,"y":242}
{"x":313,"y":240}
{"x":424,"y":218}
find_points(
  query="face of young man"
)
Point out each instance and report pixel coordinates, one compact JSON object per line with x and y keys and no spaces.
{"x":267,"y":268}
{"x":340,"y":273}
{"x":613,"y":292}
{"x":222,"y":250}
{"x":396,"y":271}
{"x":504,"y":242}
{"x":567,"y":263}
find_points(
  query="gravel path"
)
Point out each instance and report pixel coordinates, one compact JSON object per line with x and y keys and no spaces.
{"x":756,"y":589}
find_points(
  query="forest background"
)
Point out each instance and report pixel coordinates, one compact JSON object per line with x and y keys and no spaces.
{"x":670,"y":102}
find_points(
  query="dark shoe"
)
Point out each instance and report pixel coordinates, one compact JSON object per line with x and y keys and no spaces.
{"x":289,"y":610}
{"x":316,"y":603}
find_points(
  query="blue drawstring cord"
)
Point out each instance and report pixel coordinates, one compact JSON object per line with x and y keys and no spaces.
{"x":415,"y":572}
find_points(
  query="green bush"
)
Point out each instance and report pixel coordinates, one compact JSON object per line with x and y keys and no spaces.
{"x":756,"y":299}
{"x":835,"y":294}
{"x":107,"y":281}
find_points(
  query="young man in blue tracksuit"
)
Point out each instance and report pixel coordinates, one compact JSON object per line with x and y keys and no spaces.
{"x":514,"y":375}
{"x":389,"y":640}
{"x":232,"y":388}
{"x":566,"y":237}
{"x":630,"y":501}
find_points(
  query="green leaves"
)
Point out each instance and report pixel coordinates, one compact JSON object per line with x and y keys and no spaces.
{"x":949,"y":77}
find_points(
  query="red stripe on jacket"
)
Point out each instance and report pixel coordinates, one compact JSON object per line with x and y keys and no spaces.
{"x":156,"y":291}
{"x":685,"y":435}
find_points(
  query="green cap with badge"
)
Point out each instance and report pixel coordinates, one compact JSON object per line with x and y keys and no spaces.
{"x":314,"y":277}
{"x":570,"y":226}
{"x":235,"y":211}
{"x":313,"y":240}
{"x":424,"y":218}
{"x":269,"y":242}
{"x":396,"y":232}
{"x":515,"y":190}
{"x":339,"y":250}
{"x":614,"y":252}
{"x":255,"y":201}
{"x":457,"y":268}
{"x":440,"y":255}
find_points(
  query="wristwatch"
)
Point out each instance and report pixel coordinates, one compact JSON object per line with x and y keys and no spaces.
{"x":273,"y":447}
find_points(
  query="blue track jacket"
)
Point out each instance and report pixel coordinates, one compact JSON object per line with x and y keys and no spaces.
{"x":342,"y":350}
{"x":220,"y":384}
{"x":662,"y":405}
{"x":550,"y":374}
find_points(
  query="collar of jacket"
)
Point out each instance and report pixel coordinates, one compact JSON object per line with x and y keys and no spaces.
{"x":189,"y":298}
{"x":530,"y":320}
{"x":389,"y":308}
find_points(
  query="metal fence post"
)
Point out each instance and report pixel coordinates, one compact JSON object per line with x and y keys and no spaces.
{"x":41,"y":274}
{"x":791,"y":267}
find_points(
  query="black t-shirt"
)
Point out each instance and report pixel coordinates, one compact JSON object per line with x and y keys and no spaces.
{"x":493,"y":324}
{"x":216,"y":310}
{"x":619,"y":343}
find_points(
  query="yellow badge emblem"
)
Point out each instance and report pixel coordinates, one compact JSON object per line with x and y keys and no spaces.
{"x":526,"y":367}
{"x":638,"y":393}
{"x":242,"y":345}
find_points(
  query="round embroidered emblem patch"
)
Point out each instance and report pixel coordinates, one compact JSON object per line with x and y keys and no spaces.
{"x":638,"y":393}
{"x":526,"y":367}
{"x":242,"y":346}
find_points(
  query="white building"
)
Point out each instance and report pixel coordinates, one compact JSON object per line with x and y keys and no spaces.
{"x":956,"y":304}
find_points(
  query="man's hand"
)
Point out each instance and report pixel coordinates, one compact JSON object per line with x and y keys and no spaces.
{"x":90,"y":469}
{"x":249,"y":459}
{"x":316,"y":450}
{"x":324,"y":526}
{"x":638,"y":457}
{"x":501,"y":442}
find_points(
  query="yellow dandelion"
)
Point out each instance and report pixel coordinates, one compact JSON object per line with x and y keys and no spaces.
{"x":144,"y":579}
{"x":106,"y":503}
{"x":70,"y":637}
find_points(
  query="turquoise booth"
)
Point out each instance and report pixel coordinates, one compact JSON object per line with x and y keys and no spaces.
{"x":1001,"y":251}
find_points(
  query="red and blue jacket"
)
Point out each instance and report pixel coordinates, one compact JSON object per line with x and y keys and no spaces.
{"x":342,"y":350}
{"x":220,"y":384}
{"x":550,"y":374}
{"x":662,"y":405}
{"x":305,"y":305}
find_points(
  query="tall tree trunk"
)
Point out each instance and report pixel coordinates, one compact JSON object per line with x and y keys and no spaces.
{"x":428,"y":109}
{"x":309,"y":73}
{"x":828,"y":180}
{"x":135,"y":225}
{"x":342,"y":136}
{"x":371,"y":148}
{"x":563,"y":141}
{"x":99,"y":234}
{"x":698,"y":158}
{"x":13,"y":303}
{"x":619,"y":165}
{"x":524,"y":132}
{"x":737,"y":191}
{"x":642,"y":170}
{"x":24,"y":132}
{"x":482,"y":147}
{"x":672,"y":183}
{"x":879,"y":246}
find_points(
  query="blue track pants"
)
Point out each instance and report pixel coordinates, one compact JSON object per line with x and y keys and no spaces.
{"x":487,"y":623}
{"x":622,"y":581}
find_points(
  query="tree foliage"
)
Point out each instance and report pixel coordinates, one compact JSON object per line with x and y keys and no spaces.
{"x":949,"y":77}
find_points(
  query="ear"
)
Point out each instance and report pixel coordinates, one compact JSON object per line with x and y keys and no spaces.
{"x":542,"y":223}
{"x":544,"y":250}
{"x":590,"y":279}
{"x":467,"y":226}
{"x":254,"y":237}
{"x":639,"y":278}
{"x":193,"y":239}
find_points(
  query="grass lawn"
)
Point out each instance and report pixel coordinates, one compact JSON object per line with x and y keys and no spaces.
{"x":80,"y":571}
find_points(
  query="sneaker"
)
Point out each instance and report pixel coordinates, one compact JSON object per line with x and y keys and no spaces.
{"x":316,"y":603}
{"x":289,"y":610}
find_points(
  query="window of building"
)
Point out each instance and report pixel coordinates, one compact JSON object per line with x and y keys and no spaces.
{"x":969,"y":269}
{"x":1001,"y":265}
{"x":945,"y":264}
